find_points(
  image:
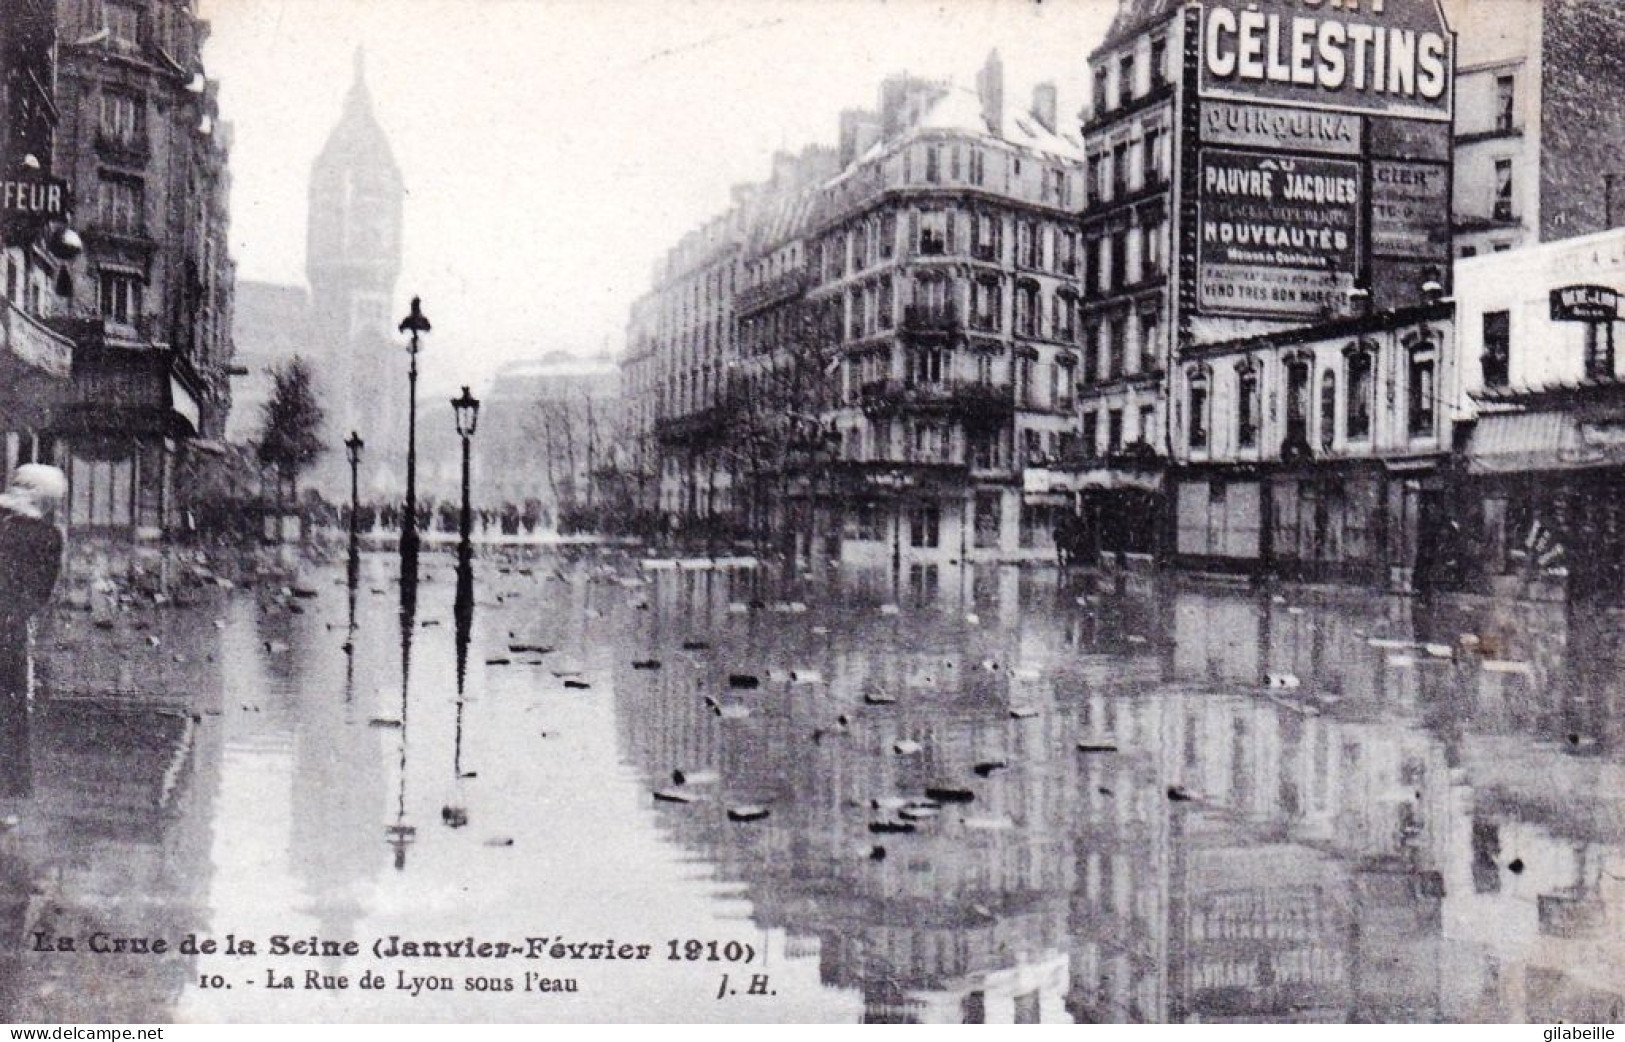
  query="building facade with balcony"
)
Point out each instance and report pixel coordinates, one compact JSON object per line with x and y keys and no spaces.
{"x":141,"y":140}
{"x":946,"y":261}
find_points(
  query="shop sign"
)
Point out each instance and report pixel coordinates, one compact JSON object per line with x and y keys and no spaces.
{"x":1410,"y":209}
{"x":1585,"y":304}
{"x":1277,"y":236}
{"x":1385,"y":58}
{"x":1273,"y":126}
{"x":34,"y":195}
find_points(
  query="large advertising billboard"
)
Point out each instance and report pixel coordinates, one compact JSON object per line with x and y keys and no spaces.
{"x":1384,"y":58}
{"x":1278,"y":236}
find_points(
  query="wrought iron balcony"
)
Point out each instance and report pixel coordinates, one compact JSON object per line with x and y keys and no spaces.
{"x":972,"y":401}
{"x":930,"y":320}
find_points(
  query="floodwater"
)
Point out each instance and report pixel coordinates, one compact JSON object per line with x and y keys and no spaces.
{"x":990,"y":793}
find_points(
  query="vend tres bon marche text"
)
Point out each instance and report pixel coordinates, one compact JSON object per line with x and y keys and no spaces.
{"x":1392,"y":55}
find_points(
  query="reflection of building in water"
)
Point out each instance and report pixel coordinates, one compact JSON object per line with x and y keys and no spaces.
{"x":1333,"y":850}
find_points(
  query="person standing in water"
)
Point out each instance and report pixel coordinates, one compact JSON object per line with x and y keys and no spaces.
{"x":30,"y":560}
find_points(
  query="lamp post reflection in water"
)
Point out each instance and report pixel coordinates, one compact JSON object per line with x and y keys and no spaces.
{"x":466,"y":408}
{"x":352,"y":450}
{"x":400,"y":835}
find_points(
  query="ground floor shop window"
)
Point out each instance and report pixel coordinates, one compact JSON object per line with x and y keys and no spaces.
{"x":101,"y":490}
{"x":1037,"y":526}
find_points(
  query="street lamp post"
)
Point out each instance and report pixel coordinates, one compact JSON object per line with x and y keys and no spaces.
{"x":467,"y":410}
{"x":414,"y":323}
{"x":352,"y":449}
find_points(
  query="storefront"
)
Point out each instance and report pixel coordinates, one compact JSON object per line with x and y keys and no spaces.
{"x":36,"y":365}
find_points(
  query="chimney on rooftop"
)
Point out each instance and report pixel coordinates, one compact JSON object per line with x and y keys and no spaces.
{"x":1045,"y":105}
{"x":859,"y":131}
{"x":990,"y":89}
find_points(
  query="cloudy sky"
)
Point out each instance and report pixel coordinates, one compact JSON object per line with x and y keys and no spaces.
{"x":553,"y":149}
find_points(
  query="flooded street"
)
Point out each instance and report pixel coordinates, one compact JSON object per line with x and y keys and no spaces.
{"x":985,"y":793}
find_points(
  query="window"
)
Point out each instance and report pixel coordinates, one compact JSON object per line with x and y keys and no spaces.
{"x":1152,"y":259}
{"x":1024,"y":381}
{"x":1116,"y":344}
{"x":1297,"y":401}
{"x":988,"y":509}
{"x":1066,"y":252}
{"x":1055,"y":186}
{"x":933,"y":232}
{"x":1505,"y":102}
{"x":1120,"y":171}
{"x":985,"y":237}
{"x":1119,"y":263}
{"x":120,"y":297}
{"x":1095,"y":179}
{"x":1247,"y":404}
{"x":1032,"y":447}
{"x":1027,"y":244}
{"x":1503,"y":190}
{"x":1091,"y":434}
{"x":1114,"y":432}
{"x":1198,"y":409}
{"x":1423,"y":393}
{"x":865,"y":523}
{"x":1099,"y":77}
{"x":1152,"y":156}
{"x":1125,"y":78}
{"x":1148,"y":423}
{"x":1599,"y":351}
{"x":1361,"y":391}
{"x":929,"y":365}
{"x":933,"y":164}
{"x":978,"y":164}
{"x":119,"y":205}
{"x":1150,"y":342}
{"x":121,"y":117}
{"x":1328,"y":408}
{"x":1159,"y":61}
{"x":1065,"y":324}
{"x":1091,"y":353}
{"x":924,"y":523}
{"x":1065,"y":382}
{"x":888,"y":233}
{"x":885,"y":307}
{"x":122,"y":20}
{"x":955,"y":163}
{"x":985,"y":304}
{"x":101,"y":491}
{"x":1027,"y":309}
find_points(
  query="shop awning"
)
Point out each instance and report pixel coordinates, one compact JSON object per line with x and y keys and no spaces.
{"x":1507,"y":443}
{"x":1043,"y":480}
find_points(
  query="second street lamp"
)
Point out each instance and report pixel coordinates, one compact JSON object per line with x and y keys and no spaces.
{"x":352,"y":449}
{"x":467,"y":410}
{"x":414,"y":323}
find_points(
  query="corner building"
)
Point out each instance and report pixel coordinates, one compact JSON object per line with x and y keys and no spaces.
{"x":1267,"y":235}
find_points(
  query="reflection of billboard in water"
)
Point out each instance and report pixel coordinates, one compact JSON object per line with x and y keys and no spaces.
{"x":1278,"y":235}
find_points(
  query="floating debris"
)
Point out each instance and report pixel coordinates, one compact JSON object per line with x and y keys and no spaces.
{"x":987,"y":767}
{"x":732,"y":711}
{"x":921,"y":812}
{"x":1022,"y":712}
{"x":946,"y":794}
{"x":276,"y":647}
{"x":744,"y":680}
{"x":905,"y":747}
{"x":674,"y":796}
{"x":1177,"y":794}
{"x":499,"y":661}
{"x":877,"y":853}
{"x":454,"y":817}
{"x":577,"y":685}
{"x":304,"y":592}
{"x":1439,"y":650}
{"x":748,"y":812}
{"x":647,"y":663}
{"x":888,"y":803}
{"x":891,"y":828}
{"x":879,"y":698}
{"x":537,"y":649}
{"x":1096,"y":746}
{"x":383,"y":721}
{"x":682,"y":777}
{"x":806,"y":676}
{"x":695,"y":645}
{"x":499,"y":841}
{"x":1287,"y":681}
